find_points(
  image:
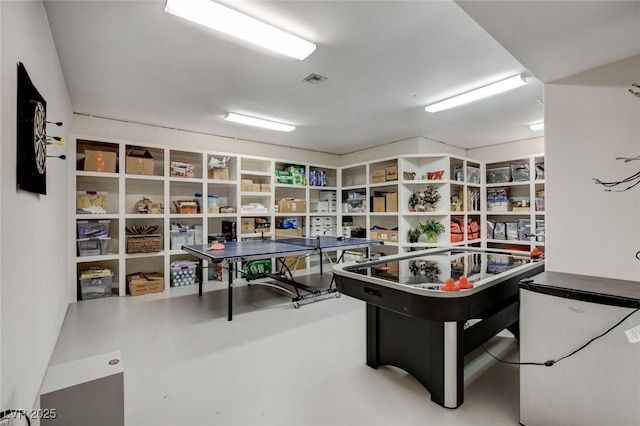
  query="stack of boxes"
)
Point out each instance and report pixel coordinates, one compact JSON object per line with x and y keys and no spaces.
{"x":326,"y":203}
{"x":93,"y":237}
{"x":248,"y":185}
{"x":323,"y":226}
{"x":389,"y":173}
{"x":498,"y":200}
{"x":385,"y":202}
{"x":254,"y":224}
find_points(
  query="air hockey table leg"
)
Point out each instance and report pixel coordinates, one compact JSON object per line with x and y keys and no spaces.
{"x":431,"y":351}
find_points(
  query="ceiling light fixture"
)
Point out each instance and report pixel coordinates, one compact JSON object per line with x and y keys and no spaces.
{"x":537,"y":126}
{"x":252,"y":121}
{"x":221,"y":18}
{"x":474,"y":95}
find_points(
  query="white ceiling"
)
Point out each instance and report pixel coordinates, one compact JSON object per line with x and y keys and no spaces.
{"x":384,"y":61}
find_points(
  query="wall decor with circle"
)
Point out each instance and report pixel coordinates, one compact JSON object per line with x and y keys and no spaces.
{"x":31,"y":136}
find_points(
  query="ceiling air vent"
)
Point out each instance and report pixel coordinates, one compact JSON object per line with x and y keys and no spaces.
{"x":314,"y":78}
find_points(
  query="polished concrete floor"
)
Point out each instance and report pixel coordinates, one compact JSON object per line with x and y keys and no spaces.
{"x":185,"y":364}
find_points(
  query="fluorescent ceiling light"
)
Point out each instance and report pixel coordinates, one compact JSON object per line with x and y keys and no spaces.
{"x":221,"y":18}
{"x":474,"y":95}
{"x":537,"y":126}
{"x":237,"y":118}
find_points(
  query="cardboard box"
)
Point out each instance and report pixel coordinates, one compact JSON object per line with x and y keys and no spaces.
{"x":247,"y":224}
{"x":289,"y":232}
{"x":391,"y":201}
{"x":180,"y":169}
{"x":100,"y":161}
{"x":378,"y":176}
{"x":144,"y":283}
{"x":218,"y":174}
{"x":265,"y":187}
{"x":292,"y":262}
{"x":379,"y":204}
{"x":246,"y":185}
{"x":186,"y":206}
{"x":255,"y":187}
{"x":391,"y":173}
{"x":221,"y":209}
{"x":139,"y":162}
{"x":292,"y":206}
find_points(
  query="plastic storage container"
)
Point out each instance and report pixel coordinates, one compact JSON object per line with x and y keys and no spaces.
{"x":182,"y":237}
{"x":93,"y":246}
{"x":95,"y":288}
{"x":213,"y":201}
{"x":183,"y":273}
{"x":93,"y":228}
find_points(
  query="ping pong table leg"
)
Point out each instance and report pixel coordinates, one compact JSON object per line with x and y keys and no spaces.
{"x":230,"y":292}
{"x":201,"y":272}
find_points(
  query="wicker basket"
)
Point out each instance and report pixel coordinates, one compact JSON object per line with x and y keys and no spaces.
{"x":144,"y":243}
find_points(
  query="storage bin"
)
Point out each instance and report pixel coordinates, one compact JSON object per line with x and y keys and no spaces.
{"x":144,"y":243}
{"x":183,"y":273}
{"x":144,"y":283}
{"x":182,"y":237}
{"x":96,"y":287}
{"x":93,"y":228}
{"x":473,"y":174}
{"x":499,"y":175}
{"x":93,"y":246}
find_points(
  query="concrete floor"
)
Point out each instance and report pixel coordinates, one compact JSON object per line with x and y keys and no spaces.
{"x":185,"y":364}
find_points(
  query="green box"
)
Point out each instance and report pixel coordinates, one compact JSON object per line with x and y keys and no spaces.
{"x":256,"y":269}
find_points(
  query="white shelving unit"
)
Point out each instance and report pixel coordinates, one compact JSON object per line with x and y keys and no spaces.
{"x":124,"y":190}
{"x":352,"y":187}
{"x":519,"y":187}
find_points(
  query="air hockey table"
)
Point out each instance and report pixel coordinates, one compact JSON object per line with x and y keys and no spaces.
{"x":417,"y":322}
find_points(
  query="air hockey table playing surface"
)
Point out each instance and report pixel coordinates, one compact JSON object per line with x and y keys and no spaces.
{"x":413,"y":324}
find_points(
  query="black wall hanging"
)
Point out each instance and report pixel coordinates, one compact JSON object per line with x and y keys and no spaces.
{"x":31,"y":136}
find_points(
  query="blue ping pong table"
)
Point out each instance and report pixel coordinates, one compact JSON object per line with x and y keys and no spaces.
{"x":258,"y":249}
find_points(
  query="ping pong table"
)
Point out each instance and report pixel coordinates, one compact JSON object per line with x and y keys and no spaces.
{"x":264,"y":248}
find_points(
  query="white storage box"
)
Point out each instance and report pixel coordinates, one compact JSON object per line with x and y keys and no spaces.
{"x":320,"y":207}
{"x":327,"y":196}
{"x":182,"y":237}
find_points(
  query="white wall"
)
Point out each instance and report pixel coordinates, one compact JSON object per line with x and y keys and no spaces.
{"x":34,"y":262}
{"x":507,"y":151}
{"x":591,"y":118}
{"x":417,"y":145}
{"x":115,"y":129}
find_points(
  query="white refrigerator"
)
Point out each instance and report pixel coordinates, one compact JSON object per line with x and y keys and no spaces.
{"x":597,"y":385}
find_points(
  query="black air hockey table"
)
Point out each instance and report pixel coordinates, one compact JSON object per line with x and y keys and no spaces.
{"x":416,"y":325}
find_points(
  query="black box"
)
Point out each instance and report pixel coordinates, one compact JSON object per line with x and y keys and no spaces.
{"x":229,"y":230}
